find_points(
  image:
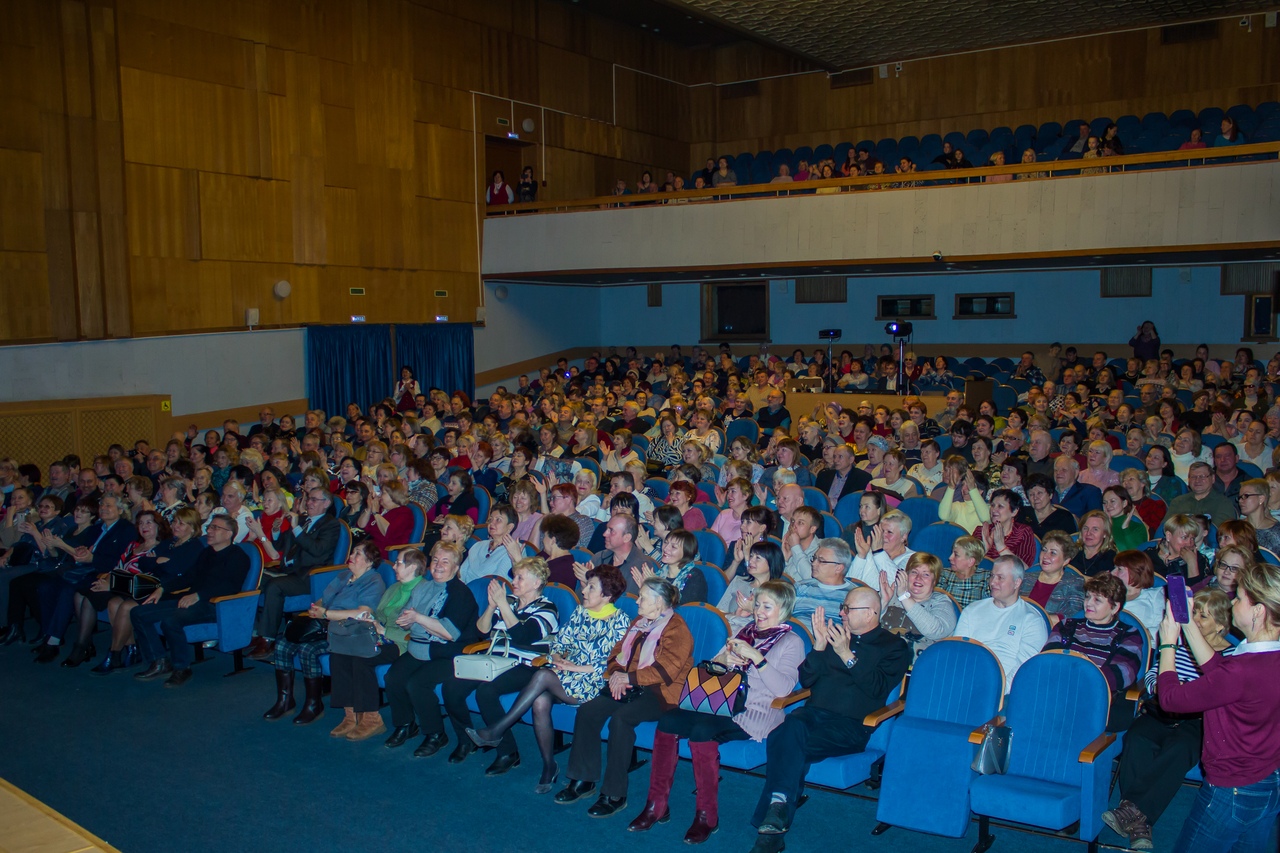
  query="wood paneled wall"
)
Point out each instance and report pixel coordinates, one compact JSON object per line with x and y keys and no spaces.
{"x":163,"y":163}
{"x":1107,"y":75}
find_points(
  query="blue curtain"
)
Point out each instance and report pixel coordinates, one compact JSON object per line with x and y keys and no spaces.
{"x":442,"y":355}
{"x":349,"y":364}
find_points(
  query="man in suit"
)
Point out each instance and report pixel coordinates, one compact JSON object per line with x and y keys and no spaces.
{"x":308,"y":545}
{"x":266,"y":424}
{"x":1075,"y":497}
{"x":844,"y":478}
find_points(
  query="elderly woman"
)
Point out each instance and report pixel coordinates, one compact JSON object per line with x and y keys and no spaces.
{"x":1187,"y":449}
{"x":355,"y":590}
{"x":645,"y":674}
{"x":622,"y":453}
{"x":1160,"y":747}
{"x":1045,"y":515}
{"x":928,"y":471}
{"x":914,"y":608}
{"x":524,"y":620}
{"x":1127,"y":528}
{"x":171,"y":556}
{"x":234,"y":495}
{"x":440,"y":617}
{"x":962,"y":502}
{"x":1098,"y":473}
{"x":576,"y":671}
{"x":682,"y":495}
{"x":768,"y":654}
{"x":893,"y":477}
{"x":355,"y":679}
{"x":1253,"y":498}
{"x":459,"y":499}
{"x":665,"y":451}
{"x":1097,"y":549}
{"x":1115,"y":646}
{"x":1055,"y":587}
{"x":1004,"y":534}
{"x":964,"y":580}
{"x":1137,"y":484}
{"x":1176,"y":553}
{"x":1142,"y":600}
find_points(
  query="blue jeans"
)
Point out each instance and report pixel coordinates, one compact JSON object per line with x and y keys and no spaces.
{"x":1239,"y":820}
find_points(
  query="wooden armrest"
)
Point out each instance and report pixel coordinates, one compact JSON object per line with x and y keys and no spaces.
{"x":475,"y":648}
{"x":1091,"y":752}
{"x":271,"y":564}
{"x":977,"y":736}
{"x":320,"y":570}
{"x":1134,"y":693}
{"x":408,"y":545}
{"x":791,"y":698}
{"x":248,"y":594}
{"x":542,"y":660}
{"x":889,"y":711}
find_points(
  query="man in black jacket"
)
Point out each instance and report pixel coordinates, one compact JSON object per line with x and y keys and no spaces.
{"x":849,"y":674}
{"x":844,"y":478}
{"x":219,"y":570}
{"x":308,"y":545}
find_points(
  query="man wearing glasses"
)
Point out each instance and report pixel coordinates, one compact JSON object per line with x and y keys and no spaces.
{"x":828,"y":587}
{"x":1203,"y":498}
{"x":219,"y":570}
{"x":853,"y":666}
{"x":309,"y":544}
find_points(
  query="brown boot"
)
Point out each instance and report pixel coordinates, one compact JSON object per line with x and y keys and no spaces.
{"x":370,"y":725}
{"x":347,"y":726}
{"x":260,"y":649}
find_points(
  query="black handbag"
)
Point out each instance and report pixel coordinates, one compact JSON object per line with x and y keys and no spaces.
{"x":993,"y":754}
{"x":304,"y":629}
{"x":133,"y":585}
{"x":355,"y":637}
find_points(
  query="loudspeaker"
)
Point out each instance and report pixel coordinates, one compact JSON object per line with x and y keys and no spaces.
{"x":251,"y":316}
{"x":976,"y":391}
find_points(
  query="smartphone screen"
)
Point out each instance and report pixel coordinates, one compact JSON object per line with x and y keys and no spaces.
{"x":1176,"y":590}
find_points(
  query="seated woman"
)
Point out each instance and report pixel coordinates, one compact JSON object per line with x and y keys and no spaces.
{"x":986,"y":472}
{"x":679,"y":553}
{"x":662,"y":520}
{"x":964,"y":579}
{"x":1161,"y":747}
{"x":265,"y":530}
{"x":1056,"y":588}
{"x":525,"y":501}
{"x":440,"y":618}
{"x":664,"y":449}
{"x":681,"y":496}
{"x":728,"y":523}
{"x":459,"y":499}
{"x":1127,"y":529}
{"x":697,"y":454}
{"x":577,"y":660}
{"x":169,"y":560}
{"x":788,"y":457}
{"x":31,"y":555}
{"x":893,"y":477}
{"x":356,"y":506}
{"x":962,"y":502}
{"x":768,"y":654}
{"x":1176,"y":552}
{"x":1043,"y":514}
{"x":914,"y":608}
{"x":1142,"y":600}
{"x":621,"y":454}
{"x":1253,"y":498}
{"x":391,"y":524}
{"x":928,"y":471}
{"x":1004,"y":534}
{"x":1097,"y":549}
{"x":1098,"y":473}
{"x":356,"y":589}
{"x":645,"y":674}
{"x":1138,"y":485}
{"x":764,"y":562}
{"x":1115,"y":646}
{"x":354,"y":680}
{"x":526,"y":621}
{"x":521,"y":462}
{"x":871,"y":508}
{"x":1187,"y":449}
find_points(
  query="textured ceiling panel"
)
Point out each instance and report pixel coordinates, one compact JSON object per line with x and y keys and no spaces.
{"x":856,"y":33}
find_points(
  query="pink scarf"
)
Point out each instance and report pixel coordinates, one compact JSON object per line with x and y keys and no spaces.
{"x":652,"y":629}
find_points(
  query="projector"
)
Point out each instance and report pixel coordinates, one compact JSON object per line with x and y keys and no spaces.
{"x":830,"y":334}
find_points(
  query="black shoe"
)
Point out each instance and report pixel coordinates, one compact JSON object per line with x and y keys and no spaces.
{"x":769,"y":844}
{"x":547,"y":779}
{"x":503,"y":764}
{"x":607,"y":806}
{"x":775,"y":820}
{"x":157,"y":669}
{"x":13,"y":634}
{"x":130,"y":657}
{"x":431,"y":744}
{"x":575,"y":791}
{"x":179,"y":678}
{"x":46,"y":653}
{"x":78,"y":655}
{"x":108,"y":664}
{"x":462,"y":752}
{"x":480,"y":741}
{"x":400,"y":734}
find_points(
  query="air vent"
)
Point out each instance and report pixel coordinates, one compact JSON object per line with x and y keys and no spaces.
{"x":1187,"y":33}
{"x":440,"y":294}
{"x":655,"y":295}
{"x":1244,"y":279}
{"x":826,"y":288}
{"x":357,"y":291}
{"x":856,"y":77}
{"x":732,"y":91}
{"x":1126,"y":281}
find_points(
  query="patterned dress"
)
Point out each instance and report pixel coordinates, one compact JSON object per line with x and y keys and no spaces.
{"x":588,"y":641}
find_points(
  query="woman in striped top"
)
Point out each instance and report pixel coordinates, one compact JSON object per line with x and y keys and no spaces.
{"x":1161,"y":747}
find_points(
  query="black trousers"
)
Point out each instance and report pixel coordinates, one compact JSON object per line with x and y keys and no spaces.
{"x":411,"y":691}
{"x":584,"y":758}
{"x":456,"y":691}
{"x":274,"y":592}
{"x":1155,"y":759}
{"x":354,"y":683}
{"x":807,"y":735}
{"x":701,"y":727}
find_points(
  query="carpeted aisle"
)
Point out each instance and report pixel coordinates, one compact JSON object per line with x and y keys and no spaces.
{"x":154,"y":770}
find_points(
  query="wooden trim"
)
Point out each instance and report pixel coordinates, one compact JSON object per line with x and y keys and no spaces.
{"x":531,"y":365}
{"x":246,"y":415}
{"x":19,"y":835}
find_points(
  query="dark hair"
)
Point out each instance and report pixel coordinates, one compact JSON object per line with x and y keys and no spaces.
{"x":1108,"y":586}
{"x":508,"y":512}
{"x":1038,"y":481}
{"x":464,"y":480}
{"x":562,"y":530}
{"x":405,"y":367}
{"x":669,"y":516}
{"x":688,"y":544}
{"x":1167,"y":469}
{"x":1018,"y":465}
{"x":761,"y":515}
{"x":773,"y":556}
{"x":627,"y":501}
{"x":1138,"y":564}
{"x":1011,"y":497}
{"x":612,"y":584}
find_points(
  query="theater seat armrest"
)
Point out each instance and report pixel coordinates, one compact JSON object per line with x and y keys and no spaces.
{"x":542,"y":660}
{"x":978,"y":735}
{"x":889,"y":711}
{"x":791,"y":698}
{"x":1099,"y":745}
{"x":1134,"y":693}
{"x":476,"y":648}
{"x":248,"y":594}
{"x":320,"y":570}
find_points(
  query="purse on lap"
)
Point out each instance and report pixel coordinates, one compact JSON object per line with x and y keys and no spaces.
{"x":355,"y":637}
{"x":487,"y":666}
{"x":132,"y":584}
{"x":304,"y":629}
{"x":713,"y":688}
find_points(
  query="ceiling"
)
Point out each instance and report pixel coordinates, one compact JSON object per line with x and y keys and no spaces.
{"x":842,"y":34}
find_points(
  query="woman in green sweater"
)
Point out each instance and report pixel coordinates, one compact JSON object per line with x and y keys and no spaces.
{"x":1127,"y":527}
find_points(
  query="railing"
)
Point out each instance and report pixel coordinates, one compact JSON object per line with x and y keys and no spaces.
{"x":932,"y":178}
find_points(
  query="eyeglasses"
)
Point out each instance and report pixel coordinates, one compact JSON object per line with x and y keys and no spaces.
{"x":1251,"y":495}
{"x":844,"y":608}
{"x":1228,"y":569}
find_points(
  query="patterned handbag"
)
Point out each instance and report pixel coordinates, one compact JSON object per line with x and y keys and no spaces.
{"x":713,"y":688}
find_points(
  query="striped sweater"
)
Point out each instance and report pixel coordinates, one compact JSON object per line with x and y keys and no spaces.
{"x":1116,"y":648}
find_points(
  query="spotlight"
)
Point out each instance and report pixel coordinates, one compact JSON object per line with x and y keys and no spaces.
{"x":897,"y":329}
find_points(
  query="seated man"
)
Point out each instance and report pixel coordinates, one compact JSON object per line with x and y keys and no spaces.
{"x":850,"y":672}
{"x":826,"y":585}
{"x":309,"y":544}
{"x":219,"y":570}
{"x":1203,"y":498}
{"x":1013,"y":629}
{"x":1075,"y":497}
{"x":800,"y":543}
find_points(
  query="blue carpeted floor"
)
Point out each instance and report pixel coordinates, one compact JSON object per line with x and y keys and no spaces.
{"x":156,"y":770}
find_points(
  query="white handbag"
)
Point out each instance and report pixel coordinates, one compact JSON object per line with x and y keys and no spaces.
{"x":488,"y":666}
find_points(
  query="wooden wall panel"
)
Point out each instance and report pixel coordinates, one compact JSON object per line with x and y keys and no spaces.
{"x":24,"y":299}
{"x":21,"y":201}
{"x":444,"y":168}
{"x":164,"y":216}
{"x":170,"y":121}
{"x":245,"y":219}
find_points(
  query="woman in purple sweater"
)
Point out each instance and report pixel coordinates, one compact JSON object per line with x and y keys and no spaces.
{"x":769,"y":654}
{"x":1238,"y":694}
